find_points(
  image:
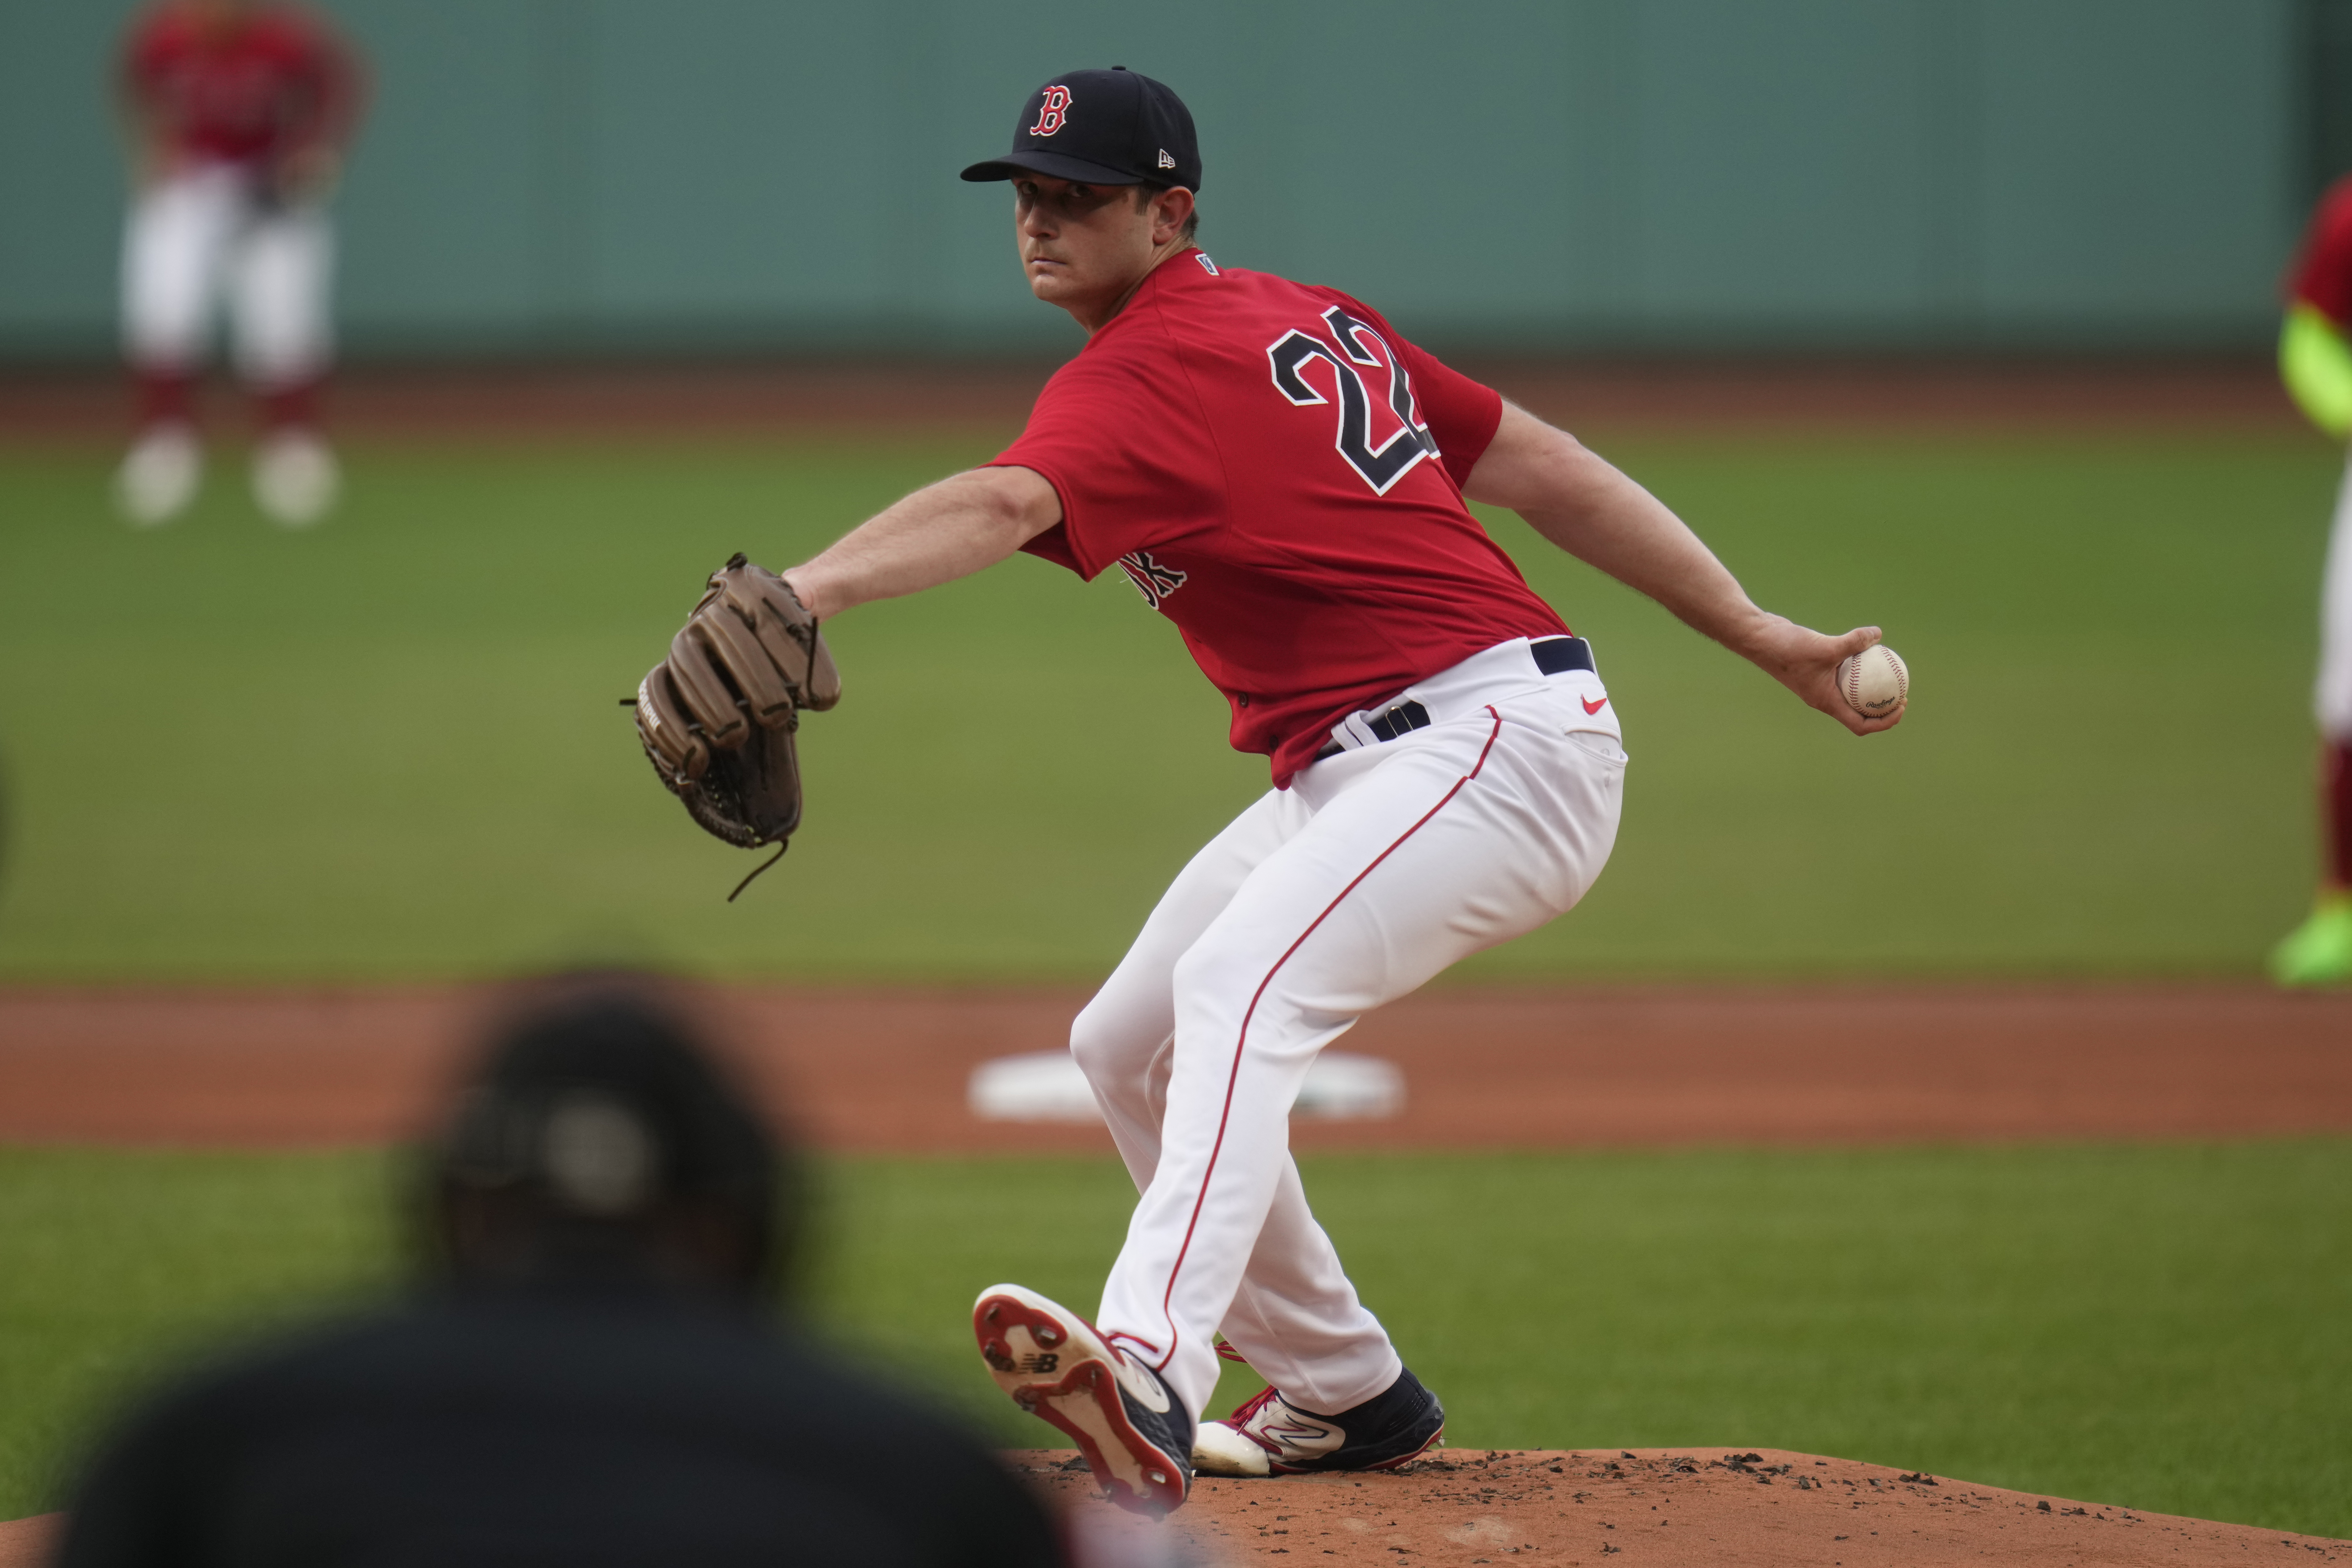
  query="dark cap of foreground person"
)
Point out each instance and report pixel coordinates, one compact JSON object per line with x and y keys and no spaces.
{"x":586,"y":1374}
{"x":597,"y":1146}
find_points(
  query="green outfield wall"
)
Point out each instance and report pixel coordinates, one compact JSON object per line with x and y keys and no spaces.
{"x":756,"y":175}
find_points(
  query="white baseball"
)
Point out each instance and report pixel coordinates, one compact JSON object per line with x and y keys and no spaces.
{"x":1874,"y":682}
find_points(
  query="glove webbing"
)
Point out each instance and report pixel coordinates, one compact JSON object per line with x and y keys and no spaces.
{"x":808,"y":684}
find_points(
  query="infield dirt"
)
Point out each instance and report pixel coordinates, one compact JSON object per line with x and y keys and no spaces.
{"x":1653,"y":1507}
{"x":886,"y":1070}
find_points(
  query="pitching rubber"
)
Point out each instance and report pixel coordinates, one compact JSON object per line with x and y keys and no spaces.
{"x":1056,"y":1365}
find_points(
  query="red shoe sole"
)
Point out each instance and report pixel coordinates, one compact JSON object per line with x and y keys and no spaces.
{"x":1081,"y":1400}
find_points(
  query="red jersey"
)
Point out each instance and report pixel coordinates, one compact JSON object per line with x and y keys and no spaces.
{"x":249,"y":89}
{"x":2321,"y":276}
{"x":1280,"y":474}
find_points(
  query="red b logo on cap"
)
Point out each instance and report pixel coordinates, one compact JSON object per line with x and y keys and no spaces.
{"x":1054,"y":113}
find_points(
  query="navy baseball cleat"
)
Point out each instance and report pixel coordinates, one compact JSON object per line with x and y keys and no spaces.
{"x":1135,"y":1435}
{"x":1271,"y":1436}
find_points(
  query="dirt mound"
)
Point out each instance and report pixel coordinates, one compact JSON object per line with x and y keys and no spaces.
{"x":25,"y":1543}
{"x":1652,"y":1508}
{"x":1656,"y":1508}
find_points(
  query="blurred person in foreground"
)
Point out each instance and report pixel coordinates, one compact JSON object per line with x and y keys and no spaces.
{"x":2316,"y":366}
{"x":587,"y":1375}
{"x":237,"y":113}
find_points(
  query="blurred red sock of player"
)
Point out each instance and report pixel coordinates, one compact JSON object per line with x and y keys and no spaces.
{"x":165,"y":398}
{"x":2336,"y":813}
{"x":293,"y":406}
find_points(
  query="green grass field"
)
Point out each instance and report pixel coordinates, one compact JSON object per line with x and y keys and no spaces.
{"x":2159,"y":1328}
{"x":391,"y":748}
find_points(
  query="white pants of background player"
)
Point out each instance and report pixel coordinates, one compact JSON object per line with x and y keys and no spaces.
{"x":2332,"y":700}
{"x":204,"y":236}
{"x":1376,"y":869}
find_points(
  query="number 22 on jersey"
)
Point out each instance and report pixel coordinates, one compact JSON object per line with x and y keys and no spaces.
{"x":1353,"y":363}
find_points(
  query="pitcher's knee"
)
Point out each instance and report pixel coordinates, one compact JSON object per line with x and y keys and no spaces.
{"x":1110,"y":1047}
{"x":1217,"y":970}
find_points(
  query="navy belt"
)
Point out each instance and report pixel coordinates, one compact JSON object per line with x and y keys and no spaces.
{"x":1553,"y":655}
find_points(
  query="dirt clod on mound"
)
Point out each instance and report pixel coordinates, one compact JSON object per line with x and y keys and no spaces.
{"x":1655,"y":1508}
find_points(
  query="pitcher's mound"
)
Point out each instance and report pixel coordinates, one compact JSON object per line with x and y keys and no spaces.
{"x":1696,"y":1509}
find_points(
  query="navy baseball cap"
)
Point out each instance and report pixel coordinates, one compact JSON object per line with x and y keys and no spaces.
{"x":1117,"y":127}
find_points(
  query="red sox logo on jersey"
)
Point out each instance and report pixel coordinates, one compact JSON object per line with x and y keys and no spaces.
{"x":1053,"y":113}
{"x":1155,"y":580}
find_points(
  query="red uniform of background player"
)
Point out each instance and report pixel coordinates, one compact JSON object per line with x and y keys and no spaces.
{"x":238,"y":115}
{"x":2317,"y":367}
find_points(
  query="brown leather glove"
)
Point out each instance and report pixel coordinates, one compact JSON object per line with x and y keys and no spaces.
{"x":717,"y":717}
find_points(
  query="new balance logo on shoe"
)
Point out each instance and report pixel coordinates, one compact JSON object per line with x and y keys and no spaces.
{"x":1034,"y":1363}
{"x":1296,"y":1434}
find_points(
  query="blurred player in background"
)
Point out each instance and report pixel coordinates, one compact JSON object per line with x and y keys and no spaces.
{"x":2318,"y":366}
{"x":237,"y":112}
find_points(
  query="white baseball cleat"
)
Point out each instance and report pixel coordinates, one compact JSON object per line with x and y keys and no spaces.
{"x":158,"y":476}
{"x":295,"y":480}
{"x":1220,"y":1449}
{"x":1135,"y":1435}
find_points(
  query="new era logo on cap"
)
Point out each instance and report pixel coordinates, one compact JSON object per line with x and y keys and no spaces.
{"x":1165,"y":160}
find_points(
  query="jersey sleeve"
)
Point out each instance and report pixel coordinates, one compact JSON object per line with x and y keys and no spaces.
{"x":1127,"y":453}
{"x":2321,"y":276}
{"x":1462,"y":414}
{"x":137,"y":62}
{"x":338,"y":88}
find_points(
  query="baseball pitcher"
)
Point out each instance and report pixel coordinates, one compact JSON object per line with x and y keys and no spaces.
{"x":1285,"y":477}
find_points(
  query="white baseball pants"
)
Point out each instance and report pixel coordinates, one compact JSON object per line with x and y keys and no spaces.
{"x":2332,"y":700}
{"x":1376,"y":869}
{"x":204,"y":236}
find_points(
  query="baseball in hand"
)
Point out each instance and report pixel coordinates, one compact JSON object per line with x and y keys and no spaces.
{"x":1874,"y":682}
